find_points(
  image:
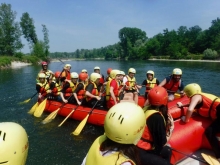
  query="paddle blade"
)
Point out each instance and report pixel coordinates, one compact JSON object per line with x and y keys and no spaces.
{"x":40,"y":109}
{"x":24,"y":102}
{"x":210,"y":159}
{"x":51,"y":116}
{"x":66,"y":118}
{"x":33,"y":108}
{"x":80,"y":126}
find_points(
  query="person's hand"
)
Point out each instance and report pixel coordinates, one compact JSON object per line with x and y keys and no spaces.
{"x":98,"y":98}
{"x":49,"y":91}
{"x":79,"y":103}
{"x":182,"y":94}
{"x":179,"y":104}
{"x":65,"y":101}
{"x":39,"y":96}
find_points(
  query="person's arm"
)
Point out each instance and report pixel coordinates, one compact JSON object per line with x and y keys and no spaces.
{"x":196,"y":99}
{"x":163,"y":83}
{"x":88,"y":93}
{"x":78,"y":88}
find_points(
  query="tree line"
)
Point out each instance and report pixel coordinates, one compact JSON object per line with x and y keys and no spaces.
{"x":183,"y":43}
{"x":12,"y":30}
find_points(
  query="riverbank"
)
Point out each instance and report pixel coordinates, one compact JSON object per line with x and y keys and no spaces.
{"x":154,"y":59}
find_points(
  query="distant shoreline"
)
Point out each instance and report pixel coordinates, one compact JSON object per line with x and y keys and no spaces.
{"x":184,"y":60}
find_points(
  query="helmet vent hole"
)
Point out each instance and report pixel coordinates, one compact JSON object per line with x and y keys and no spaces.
{"x":110,"y":115}
{"x":119,"y":117}
{"x":121,"y":120}
{"x":4,"y":136}
{"x":113,"y":114}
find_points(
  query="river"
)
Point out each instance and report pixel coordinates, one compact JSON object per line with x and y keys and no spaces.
{"x":50,"y":145}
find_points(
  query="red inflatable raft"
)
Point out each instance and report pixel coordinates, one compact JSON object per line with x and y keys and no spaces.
{"x":187,"y":137}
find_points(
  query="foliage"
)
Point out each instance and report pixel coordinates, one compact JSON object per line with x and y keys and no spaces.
{"x":46,"y":40}
{"x":38,"y":50}
{"x":210,"y":54}
{"x":28,"y":28}
{"x":10,"y":32}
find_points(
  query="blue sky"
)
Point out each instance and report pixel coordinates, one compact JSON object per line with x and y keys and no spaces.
{"x":87,"y":24}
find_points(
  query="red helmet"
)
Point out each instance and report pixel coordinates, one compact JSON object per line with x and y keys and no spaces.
{"x":44,"y":63}
{"x":109,"y":70}
{"x":57,"y":74}
{"x":83,"y":76}
{"x":158,"y":96}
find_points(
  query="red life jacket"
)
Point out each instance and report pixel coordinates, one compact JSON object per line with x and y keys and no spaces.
{"x":172,"y":86}
{"x":81,"y":93}
{"x":150,"y":84}
{"x":44,"y":88}
{"x":70,"y":90}
{"x":115,"y":91}
{"x":146,"y":141}
{"x":209,"y":104}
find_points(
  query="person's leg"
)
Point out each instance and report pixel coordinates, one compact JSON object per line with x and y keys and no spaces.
{"x":135,"y":97}
{"x":210,"y":133}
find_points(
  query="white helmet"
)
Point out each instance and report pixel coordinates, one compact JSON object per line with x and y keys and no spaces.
{"x":13,"y":144}
{"x":74,"y":75}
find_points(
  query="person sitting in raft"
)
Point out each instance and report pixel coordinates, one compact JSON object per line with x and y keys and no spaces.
{"x":65,"y":74}
{"x":48,"y":73}
{"x":130,"y":83}
{"x":97,"y":70}
{"x":79,"y":92}
{"x":153,"y":145}
{"x":108,"y":78}
{"x":112,"y":88}
{"x":124,"y":125}
{"x":53,"y":92}
{"x":173,"y":83}
{"x":93,"y":91}
{"x":206,"y":105}
{"x":42,"y":87}
{"x":14,"y":144}
{"x":68,"y":88}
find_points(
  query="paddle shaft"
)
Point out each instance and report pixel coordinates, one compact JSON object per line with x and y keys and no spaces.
{"x":191,"y":156}
{"x":68,"y":116}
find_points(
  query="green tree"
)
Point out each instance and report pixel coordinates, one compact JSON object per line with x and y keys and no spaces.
{"x":10,"y":32}
{"x":128,"y":37}
{"x":46,"y":40}
{"x":28,"y":28}
{"x":77,"y":53}
{"x":39,"y":50}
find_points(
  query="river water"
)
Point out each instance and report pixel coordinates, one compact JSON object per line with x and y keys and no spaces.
{"x":50,"y":145}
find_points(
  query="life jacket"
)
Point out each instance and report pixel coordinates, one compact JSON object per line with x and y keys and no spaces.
{"x":48,"y":73}
{"x":115,"y":91}
{"x":70,"y":90}
{"x":81,"y":93}
{"x":94,"y":91}
{"x":94,"y":156}
{"x":209,"y":104}
{"x":44,"y":87}
{"x":130,"y":83}
{"x":172,"y":86}
{"x":108,"y":78}
{"x":150,"y":84}
{"x":66,"y":74}
{"x":146,"y":141}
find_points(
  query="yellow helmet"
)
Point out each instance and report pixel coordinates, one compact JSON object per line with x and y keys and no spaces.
{"x":13,"y":144}
{"x":74,"y":75}
{"x":41,"y":75}
{"x":67,"y":65}
{"x":192,"y":89}
{"x":177,"y":71}
{"x":97,"y":68}
{"x":131,"y":70}
{"x":150,"y":72}
{"x":125,"y":123}
{"x":94,"y":77}
{"x":114,"y":73}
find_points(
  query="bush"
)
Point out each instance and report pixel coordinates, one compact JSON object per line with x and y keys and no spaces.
{"x":210,"y":54}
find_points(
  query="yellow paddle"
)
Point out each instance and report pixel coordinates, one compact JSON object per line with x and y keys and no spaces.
{"x":33,"y":108}
{"x":40,"y":109}
{"x":83,"y":122}
{"x":68,"y":116}
{"x":26,"y":101}
{"x":210,"y":159}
